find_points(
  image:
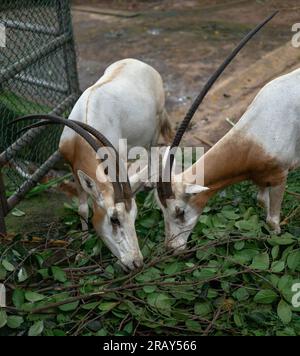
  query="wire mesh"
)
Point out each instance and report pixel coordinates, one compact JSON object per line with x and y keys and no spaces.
{"x":37,"y":74}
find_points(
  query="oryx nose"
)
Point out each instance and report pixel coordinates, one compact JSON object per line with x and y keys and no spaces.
{"x":138,"y":261}
{"x":133,"y":263}
{"x":175,"y":245}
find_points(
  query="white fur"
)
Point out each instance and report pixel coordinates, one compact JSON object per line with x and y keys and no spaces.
{"x":273,"y":119}
{"x":128,"y":107}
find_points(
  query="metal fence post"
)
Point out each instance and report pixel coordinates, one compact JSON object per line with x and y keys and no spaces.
{"x":39,"y":76}
{"x":64,"y":18}
{"x":3,"y":206}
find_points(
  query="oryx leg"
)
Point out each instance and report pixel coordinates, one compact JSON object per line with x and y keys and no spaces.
{"x":276,"y":196}
{"x":263,"y":198}
{"x":83,"y":209}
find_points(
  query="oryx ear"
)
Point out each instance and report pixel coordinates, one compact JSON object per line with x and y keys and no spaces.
{"x":194,"y":188}
{"x":88,"y":184}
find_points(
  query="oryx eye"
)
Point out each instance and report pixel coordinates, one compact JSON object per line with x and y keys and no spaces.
{"x":89,"y":184}
{"x":115,"y":221}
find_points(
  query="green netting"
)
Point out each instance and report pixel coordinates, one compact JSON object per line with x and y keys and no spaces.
{"x":37,"y":75}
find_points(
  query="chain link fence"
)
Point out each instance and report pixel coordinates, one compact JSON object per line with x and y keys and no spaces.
{"x":37,"y":75}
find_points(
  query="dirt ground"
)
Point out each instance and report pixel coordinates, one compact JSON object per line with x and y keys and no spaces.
{"x":185,"y":41}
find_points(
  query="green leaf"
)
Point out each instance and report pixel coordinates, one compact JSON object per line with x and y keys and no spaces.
{"x":107,"y":306}
{"x":8,"y":266}
{"x":90,"y":306}
{"x":204,"y":254}
{"x":239,"y":245}
{"x":204,"y":273}
{"x":3,"y":273}
{"x":284,"y":285}
{"x":202,"y":309}
{"x":3,"y":318}
{"x":266,"y":296}
{"x":206,"y":220}
{"x":277,"y":266}
{"x":151,"y":220}
{"x":284,"y":239}
{"x":241,"y":294}
{"x":148,"y":275}
{"x":102,"y":332}
{"x":293,"y":260}
{"x":149,"y":289}
{"x":59,"y":274}
{"x":238,"y":319}
{"x":22,"y":275}
{"x":18,"y":298}
{"x":128,"y":328}
{"x":285,"y":282}
{"x":34,"y":297}
{"x":69,"y":307}
{"x":190,"y":264}
{"x":193,"y":325}
{"x":244,"y":256}
{"x":18,"y":213}
{"x":36,"y":329}
{"x":172,"y":268}
{"x":14,"y":321}
{"x":44,"y":273}
{"x":160,"y":301}
{"x":261,"y":262}
{"x":229,"y":214}
{"x":274,"y":279}
{"x":284,"y":312}
{"x":248,"y":225}
{"x":275,"y":252}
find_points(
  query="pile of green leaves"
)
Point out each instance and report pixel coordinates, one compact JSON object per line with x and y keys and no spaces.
{"x":236,"y":278}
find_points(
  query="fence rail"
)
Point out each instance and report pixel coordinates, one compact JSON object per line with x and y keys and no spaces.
{"x":37,"y":75}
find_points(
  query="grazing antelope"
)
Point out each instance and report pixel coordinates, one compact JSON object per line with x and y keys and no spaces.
{"x":127,"y":102}
{"x":262,"y":147}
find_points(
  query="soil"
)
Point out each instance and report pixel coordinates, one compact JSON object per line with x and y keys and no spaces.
{"x":185,"y":41}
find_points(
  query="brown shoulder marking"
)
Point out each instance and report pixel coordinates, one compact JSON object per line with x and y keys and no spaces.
{"x":237,"y":158}
{"x":66,"y":148}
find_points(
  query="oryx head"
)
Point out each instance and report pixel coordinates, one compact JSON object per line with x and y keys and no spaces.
{"x":180,"y":204}
{"x":113,"y":219}
{"x":113,"y":202}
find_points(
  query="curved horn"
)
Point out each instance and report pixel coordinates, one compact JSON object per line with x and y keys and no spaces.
{"x":127,"y":191}
{"x":126,"y":185}
{"x":164,"y":186}
{"x":51,"y":119}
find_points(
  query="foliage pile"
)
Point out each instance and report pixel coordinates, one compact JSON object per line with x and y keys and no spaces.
{"x":235,"y":278}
